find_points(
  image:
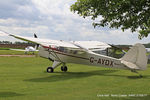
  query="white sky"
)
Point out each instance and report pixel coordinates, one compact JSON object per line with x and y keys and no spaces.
{"x":52,"y":19}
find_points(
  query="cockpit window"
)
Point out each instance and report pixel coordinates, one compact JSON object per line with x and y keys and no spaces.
{"x":110,"y":52}
{"x":102,"y":52}
{"x":61,"y":49}
{"x":65,"y":50}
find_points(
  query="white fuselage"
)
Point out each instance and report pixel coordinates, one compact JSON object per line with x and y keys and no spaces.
{"x":30,"y":49}
{"x":86,"y":58}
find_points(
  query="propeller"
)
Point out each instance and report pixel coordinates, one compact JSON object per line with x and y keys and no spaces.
{"x":35,"y":36}
{"x":37,"y":45}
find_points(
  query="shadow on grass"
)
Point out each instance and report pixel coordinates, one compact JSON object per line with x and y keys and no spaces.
{"x":132,"y":77}
{"x":9,"y":94}
{"x":76,"y":75}
{"x":137,"y":77}
{"x":70,"y":75}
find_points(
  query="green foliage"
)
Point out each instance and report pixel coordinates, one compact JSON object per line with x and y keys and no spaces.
{"x":124,"y":14}
{"x":17,"y":42}
{"x":26,"y":79}
{"x":5,"y":42}
{"x":147,"y":45}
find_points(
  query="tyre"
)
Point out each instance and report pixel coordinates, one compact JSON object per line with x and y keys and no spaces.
{"x":64,"y":68}
{"x":50,"y":70}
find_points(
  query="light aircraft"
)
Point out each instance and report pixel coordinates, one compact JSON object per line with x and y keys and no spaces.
{"x":30,"y":49}
{"x":81,"y":52}
{"x":27,"y":49}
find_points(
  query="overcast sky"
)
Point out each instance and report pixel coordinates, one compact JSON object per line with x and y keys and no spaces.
{"x":52,"y":19}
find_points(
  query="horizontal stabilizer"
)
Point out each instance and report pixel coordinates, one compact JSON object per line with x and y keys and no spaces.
{"x":130,"y":65}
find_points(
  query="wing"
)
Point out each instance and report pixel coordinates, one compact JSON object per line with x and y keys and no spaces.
{"x":46,"y":42}
{"x":92,"y":45}
{"x":18,"y":49}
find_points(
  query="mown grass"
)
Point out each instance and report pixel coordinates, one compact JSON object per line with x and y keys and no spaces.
{"x":26,"y":79}
{"x":4,"y":48}
{"x":13,"y":52}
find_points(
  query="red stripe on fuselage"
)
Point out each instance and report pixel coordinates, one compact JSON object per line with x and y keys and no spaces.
{"x":59,"y":52}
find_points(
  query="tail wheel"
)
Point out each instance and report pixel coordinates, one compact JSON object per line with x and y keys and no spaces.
{"x":64,"y":68}
{"x":50,"y":70}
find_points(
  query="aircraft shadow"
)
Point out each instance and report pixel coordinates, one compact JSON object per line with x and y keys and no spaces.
{"x":137,"y":77}
{"x":70,"y":75}
{"x":9,"y":94}
{"x":76,"y":75}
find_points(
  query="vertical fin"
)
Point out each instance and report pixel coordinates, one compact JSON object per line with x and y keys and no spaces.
{"x":136,"y":57}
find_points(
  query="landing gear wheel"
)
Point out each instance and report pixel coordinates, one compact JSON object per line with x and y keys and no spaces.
{"x":50,"y":70}
{"x":64,"y":68}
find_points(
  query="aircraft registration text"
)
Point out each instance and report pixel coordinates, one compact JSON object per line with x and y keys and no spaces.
{"x":102,"y":61}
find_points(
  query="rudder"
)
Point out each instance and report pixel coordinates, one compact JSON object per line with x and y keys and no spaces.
{"x":136,"y":57}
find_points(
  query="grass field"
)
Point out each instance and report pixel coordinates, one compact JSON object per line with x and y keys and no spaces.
{"x":26,"y":79}
{"x":13,"y":52}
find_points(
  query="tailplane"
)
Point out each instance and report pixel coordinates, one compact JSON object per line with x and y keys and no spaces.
{"x":135,"y":58}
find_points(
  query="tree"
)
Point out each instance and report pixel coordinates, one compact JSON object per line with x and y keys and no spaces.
{"x":124,"y":14}
{"x":6,"y":42}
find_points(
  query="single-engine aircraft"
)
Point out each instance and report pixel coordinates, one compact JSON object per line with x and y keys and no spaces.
{"x":81,"y":52}
{"x":27,"y":49}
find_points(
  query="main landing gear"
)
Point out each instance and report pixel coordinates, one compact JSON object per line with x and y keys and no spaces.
{"x":50,"y":69}
{"x":56,"y":64}
{"x":64,"y":68}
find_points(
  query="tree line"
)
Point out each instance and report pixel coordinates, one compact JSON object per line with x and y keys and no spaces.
{"x":127,"y":46}
{"x":17,"y":42}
